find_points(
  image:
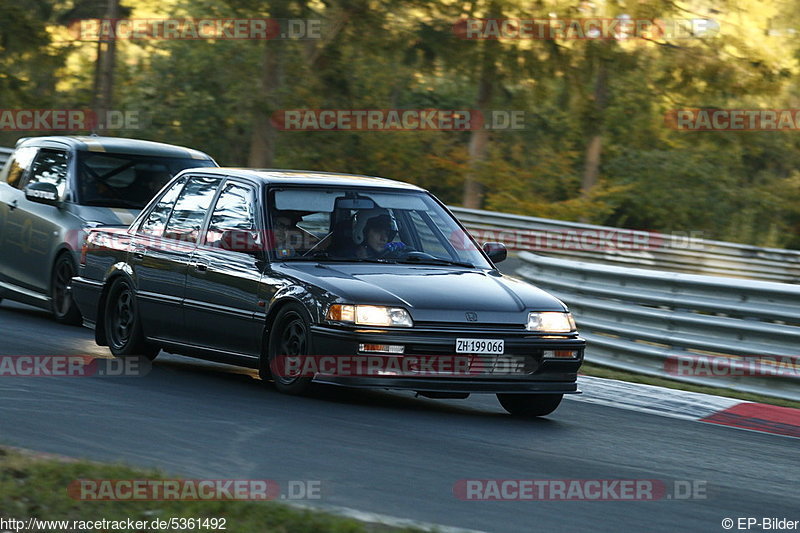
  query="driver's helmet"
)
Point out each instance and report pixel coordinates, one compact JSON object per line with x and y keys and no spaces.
{"x":373,"y":218}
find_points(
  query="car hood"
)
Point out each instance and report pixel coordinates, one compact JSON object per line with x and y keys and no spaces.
{"x":107,"y":216}
{"x":430,"y":293}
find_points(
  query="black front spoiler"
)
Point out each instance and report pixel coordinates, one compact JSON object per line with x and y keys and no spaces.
{"x":457,"y":385}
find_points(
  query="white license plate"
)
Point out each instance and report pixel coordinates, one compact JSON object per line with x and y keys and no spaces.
{"x":482,"y":346}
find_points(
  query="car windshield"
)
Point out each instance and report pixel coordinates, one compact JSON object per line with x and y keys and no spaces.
{"x":126,"y":180}
{"x":359,"y":224}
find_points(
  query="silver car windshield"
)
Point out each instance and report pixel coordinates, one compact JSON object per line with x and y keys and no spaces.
{"x":359,"y":224}
{"x":126,"y":180}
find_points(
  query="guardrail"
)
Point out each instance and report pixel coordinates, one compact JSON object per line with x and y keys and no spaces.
{"x":708,"y":330}
{"x":5,"y":153}
{"x":678,"y":252}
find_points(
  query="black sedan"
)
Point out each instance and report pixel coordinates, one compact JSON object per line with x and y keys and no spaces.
{"x":313,"y":277}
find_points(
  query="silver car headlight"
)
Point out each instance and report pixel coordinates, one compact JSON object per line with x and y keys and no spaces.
{"x":369,"y":315}
{"x":550,"y":322}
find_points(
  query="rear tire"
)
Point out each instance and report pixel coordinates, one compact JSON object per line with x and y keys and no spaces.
{"x":122,"y":323}
{"x":530,"y":405}
{"x":62,"y":305}
{"x":290,"y":336}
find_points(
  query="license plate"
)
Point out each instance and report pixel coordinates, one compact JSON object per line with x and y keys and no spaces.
{"x":482,"y":346}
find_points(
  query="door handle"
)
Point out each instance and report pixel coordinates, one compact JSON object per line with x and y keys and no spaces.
{"x":200,"y":266}
{"x":12,"y":205}
{"x":138,"y":252}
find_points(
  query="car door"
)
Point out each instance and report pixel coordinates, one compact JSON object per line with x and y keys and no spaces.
{"x":222,"y":281}
{"x":161,"y":250}
{"x":11,"y":197}
{"x":47,"y":222}
{"x":35,"y":229}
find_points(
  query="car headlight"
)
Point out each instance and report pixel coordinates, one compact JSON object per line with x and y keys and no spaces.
{"x":550,"y":322}
{"x":369,"y":315}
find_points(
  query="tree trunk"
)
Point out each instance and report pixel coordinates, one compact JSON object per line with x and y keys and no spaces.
{"x":594,"y":147}
{"x":479,"y":138}
{"x":264,"y":135}
{"x":104,"y":71}
{"x":473,"y":188}
{"x":591,"y":168}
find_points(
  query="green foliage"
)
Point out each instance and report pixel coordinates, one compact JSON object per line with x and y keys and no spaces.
{"x":378,"y":54}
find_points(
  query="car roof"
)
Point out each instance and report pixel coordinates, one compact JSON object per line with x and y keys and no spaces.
{"x":307,"y":177}
{"x":118,"y":145}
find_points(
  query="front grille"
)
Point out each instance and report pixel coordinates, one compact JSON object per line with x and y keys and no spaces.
{"x":474,"y":327}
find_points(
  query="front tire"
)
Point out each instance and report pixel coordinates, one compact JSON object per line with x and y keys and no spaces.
{"x":290,"y":336}
{"x":122,"y":323}
{"x":63,"y":306}
{"x":530,"y":405}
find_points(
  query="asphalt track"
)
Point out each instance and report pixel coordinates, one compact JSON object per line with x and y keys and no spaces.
{"x":385,"y":452}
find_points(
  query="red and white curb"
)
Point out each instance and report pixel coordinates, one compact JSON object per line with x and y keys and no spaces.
{"x":687,"y":405}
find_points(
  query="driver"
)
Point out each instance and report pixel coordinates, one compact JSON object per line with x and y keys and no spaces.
{"x":373,"y":233}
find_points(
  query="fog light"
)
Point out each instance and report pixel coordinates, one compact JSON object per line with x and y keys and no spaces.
{"x":381,"y":348}
{"x":560,"y":354}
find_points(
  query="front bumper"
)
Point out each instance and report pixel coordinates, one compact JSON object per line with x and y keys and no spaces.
{"x":86,"y":294}
{"x":541,"y":375}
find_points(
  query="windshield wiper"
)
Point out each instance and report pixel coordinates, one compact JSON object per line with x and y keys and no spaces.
{"x":325,"y":257}
{"x":412,"y":260}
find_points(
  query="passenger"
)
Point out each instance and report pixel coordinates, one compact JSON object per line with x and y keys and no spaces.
{"x":287,"y":236}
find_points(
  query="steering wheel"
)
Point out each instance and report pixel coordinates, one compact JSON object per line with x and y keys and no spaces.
{"x":420,"y":255}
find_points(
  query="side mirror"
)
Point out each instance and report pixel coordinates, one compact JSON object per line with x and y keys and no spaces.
{"x":496,"y":251}
{"x":237,"y":240}
{"x":42,"y":193}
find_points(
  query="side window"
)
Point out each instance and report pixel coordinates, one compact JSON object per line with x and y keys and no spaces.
{"x":156,"y":220}
{"x":233,"y":221}
{"x":50,"y":166}
{"x":191,"y":208}
{"x":18,"y":165}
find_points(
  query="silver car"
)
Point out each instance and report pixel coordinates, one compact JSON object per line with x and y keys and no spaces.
{"x":52,"y":189}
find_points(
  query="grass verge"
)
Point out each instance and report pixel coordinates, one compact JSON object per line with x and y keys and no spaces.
{"x":591,"y":369}
{"x":35,"y":486}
